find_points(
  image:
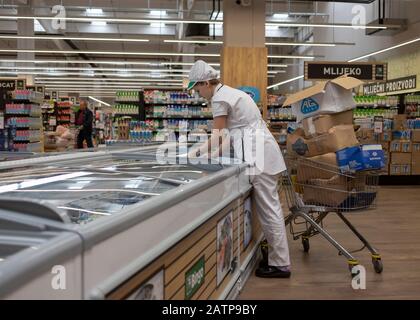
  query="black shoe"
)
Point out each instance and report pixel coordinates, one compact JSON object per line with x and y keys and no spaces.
{"x":263,"y":264}
{"x":272,"y":272}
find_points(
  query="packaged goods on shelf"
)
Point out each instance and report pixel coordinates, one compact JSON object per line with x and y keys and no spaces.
{"x":27,"y":95}
{"x":157,"y":96}
{"x":275,"y":100}
{"x":125,"y":109}
{"x":23,"y":109}
{"x":373,"y":112}
{"x":17,"y":122}
{"x":281,"y":113}
{"x":127,"y":96}
{"x":388,"y":101}
{"x":413,"y":123}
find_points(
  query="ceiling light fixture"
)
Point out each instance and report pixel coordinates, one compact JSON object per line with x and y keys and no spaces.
{"x":100,"y":101}
{"x":112,"y":52}
{"x":72,"y":38}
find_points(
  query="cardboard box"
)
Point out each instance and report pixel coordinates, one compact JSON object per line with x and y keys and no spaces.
{"x":320,"y":124}
{"x":400,"y":122}
{"x":415,"y":158}
{"x":324,"y":98}
{"x":327,"y":192}
{"x":324,"y":167}
{"x":400,"y":158}
{"x":395,"y":146}
{"x":405,"y":146}
{"x":415,"y":135}
{"x":366,"y":157}
{"x":401,"y":135}
{"x":415,"y":168}
{"x":386,"y":135}
{"x":415,"y":147}
{"x":337,"y":138}
{"x":365,"y":136}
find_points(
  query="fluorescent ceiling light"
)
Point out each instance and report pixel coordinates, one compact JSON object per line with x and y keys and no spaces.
{"x":181,"y":21}
{"x":194,"y":41}
{"x":113,"y":52}
{"x":280,"y":16}
{"x":98,"y":23}
{"x":384,"y":50}
{"x":72,"y":38}
{"x":273,"y":65}
{"x":47,"y":68}
{"x":105,"y":79}
{"x":290,"y":57}
{"x":94,"y":11}
{"x":284,"y":82}
{"x":271,"y":27}
{"x":276,"y":71}
{"x":327,"y":25}
{"x":104,"y":62}
{"x":158,"y":12}
{"x":157,"y":25}
{"x":90,"y":74}
{"x":308,"y":44}
{"x":100,"y":101}
{"x":116,"y":20}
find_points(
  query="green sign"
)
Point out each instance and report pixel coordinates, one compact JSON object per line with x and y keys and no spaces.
{"x":194,"y":278}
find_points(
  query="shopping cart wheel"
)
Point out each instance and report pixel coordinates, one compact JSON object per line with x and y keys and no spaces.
{"x":305,"y":243}
{"x":377,"y":265}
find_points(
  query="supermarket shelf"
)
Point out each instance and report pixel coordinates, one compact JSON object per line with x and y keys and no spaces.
{"x":26,"y":140}
{"x":376,"y":106}
{"x":277,"y":106}
{"x":126,"y":114}
{"x":22,"y":114}
{"x":25,"y":101}
{"x":180,"y":118}
{"x":176,"y":103}
{"x":131,"y":102}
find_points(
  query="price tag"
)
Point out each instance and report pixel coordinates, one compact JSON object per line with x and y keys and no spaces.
{"x":378,"y":124}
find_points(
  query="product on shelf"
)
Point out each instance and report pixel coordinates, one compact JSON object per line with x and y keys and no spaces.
{"x":125,"y":109}
{"x":373,"y":112}
{"x":127,"y":96}
{"x":29,"y":95}
{"x":281,"y":114}
{"x":157,"y":96}
{"x":370,"y":101}
{"x":179,"y":111}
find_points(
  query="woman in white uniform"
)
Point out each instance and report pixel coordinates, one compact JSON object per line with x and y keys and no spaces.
{"x":235,"y":110}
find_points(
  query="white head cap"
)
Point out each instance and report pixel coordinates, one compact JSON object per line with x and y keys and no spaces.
{"x":201,"y":71}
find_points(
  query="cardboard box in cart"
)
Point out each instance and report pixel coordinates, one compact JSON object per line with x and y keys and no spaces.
{"x":320,"y":124}
{"x":324,"y":98}
{"x":337,"y":138}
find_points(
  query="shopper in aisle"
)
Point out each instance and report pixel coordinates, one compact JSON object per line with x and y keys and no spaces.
{"x":235,"y":110}
{"x":84,"y":119}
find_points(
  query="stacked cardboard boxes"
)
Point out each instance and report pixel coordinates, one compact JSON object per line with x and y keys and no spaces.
{"x":325,"y":111}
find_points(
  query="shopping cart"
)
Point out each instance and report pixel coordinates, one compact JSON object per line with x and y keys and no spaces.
{"x":313,"y":190}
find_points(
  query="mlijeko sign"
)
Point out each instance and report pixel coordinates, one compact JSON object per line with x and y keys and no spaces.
{"x":327,"y":70}
{"x":400,"y":84}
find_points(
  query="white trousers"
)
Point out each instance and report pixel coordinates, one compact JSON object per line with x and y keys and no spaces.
{"x":271,"y":218}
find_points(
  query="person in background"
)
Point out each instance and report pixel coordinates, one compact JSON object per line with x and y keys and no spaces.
{"x":84,"y":120}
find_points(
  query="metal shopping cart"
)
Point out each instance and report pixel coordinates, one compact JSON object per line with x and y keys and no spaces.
{"x":313,"y":190}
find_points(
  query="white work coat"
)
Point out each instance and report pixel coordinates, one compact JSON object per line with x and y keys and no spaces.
{"x":260,"y":150}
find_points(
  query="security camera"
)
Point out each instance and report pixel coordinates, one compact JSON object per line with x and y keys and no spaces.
{"x":244,"y":3}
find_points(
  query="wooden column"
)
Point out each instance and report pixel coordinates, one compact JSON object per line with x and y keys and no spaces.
{"x":246,"y":67}
{"x":244,"y":55}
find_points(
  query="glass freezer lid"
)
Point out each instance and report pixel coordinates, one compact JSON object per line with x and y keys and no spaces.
{"x":103,"y":188}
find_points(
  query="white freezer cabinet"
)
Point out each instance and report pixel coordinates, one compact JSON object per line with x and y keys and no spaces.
{"x":80,"y":226}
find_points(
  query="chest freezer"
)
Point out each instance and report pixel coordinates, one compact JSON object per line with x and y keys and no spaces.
{"x":96,"y":215}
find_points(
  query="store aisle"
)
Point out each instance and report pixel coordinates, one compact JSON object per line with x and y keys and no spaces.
{"x":321,"y":274}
